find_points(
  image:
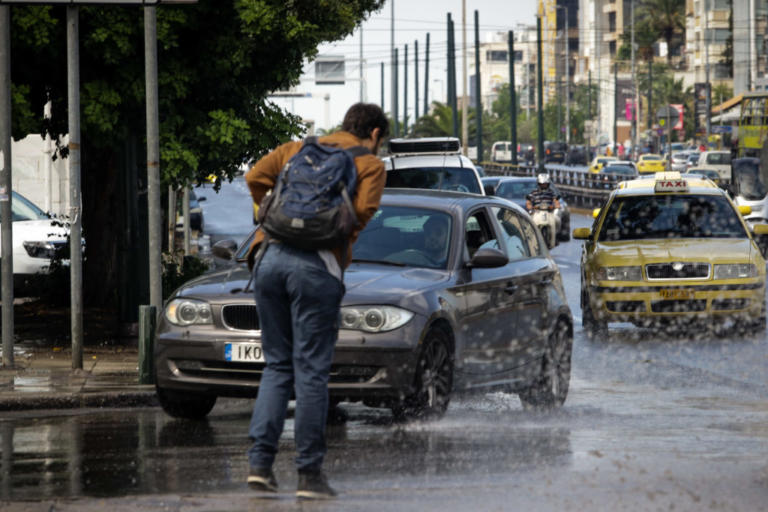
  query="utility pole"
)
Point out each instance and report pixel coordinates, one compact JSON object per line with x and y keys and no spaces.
{"x":615,"y":107}
{"x":362,"y":93}
{"x":382,"y":86}
{"x":589,"y":114}
{"x":75,"y":210}
{"x":650,"y":94}
{"x":512,"y":96}
{"x":426,"y":77}
{"x":708,"y":102}
{"x":395,"y":103}
{"x":6,"y":262}
{"x":567,"y":81}
{"x":559,"y":110}
{"x":393,"y":67}
{"x":634,"y":82}
{"x":416,"y":81}
{"x":452,"y":75}
{"x":465,"y":96}
{"x":405,"y":92}
{"x":540,"y":97}
{"x":478,"y":93}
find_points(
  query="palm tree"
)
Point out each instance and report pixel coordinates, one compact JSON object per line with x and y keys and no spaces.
{"x":437,"y":123}
{"x":667,"y":16}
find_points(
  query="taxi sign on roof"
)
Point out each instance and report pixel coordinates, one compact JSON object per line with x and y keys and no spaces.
{"x":669,"y":184}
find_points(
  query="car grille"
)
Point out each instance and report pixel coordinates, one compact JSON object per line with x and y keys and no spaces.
{"x":685,"y":271}
{"x":678,"y":306}
{"x":626,"y":306}
{"x":240,"y":317}
{"x":729,"y":304}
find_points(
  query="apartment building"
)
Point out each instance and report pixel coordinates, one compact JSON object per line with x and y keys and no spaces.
{"x":750,"y":40}
{"x":706,"y":34}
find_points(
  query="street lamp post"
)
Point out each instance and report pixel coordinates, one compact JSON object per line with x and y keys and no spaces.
{"x":567,"y":79}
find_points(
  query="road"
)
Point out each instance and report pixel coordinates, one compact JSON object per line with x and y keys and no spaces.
{"x":653,"y":421}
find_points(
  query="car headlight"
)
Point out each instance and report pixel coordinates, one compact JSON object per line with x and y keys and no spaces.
{"x":374,"y":318}
{"x":188,"y":312}
{"x":45,"y":250}
{"x":619,"y":274}
{"x":735,"y":270}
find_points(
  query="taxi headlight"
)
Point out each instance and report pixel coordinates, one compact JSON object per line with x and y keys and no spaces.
{"x":735,"y":271}
{"x":188,"y":312}
{"x":374,"y":318}
{"x":619,"y":274}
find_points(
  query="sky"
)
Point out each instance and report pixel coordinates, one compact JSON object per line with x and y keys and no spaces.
{"x":413,"y":20}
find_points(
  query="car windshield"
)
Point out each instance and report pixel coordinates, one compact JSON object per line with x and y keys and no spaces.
{"x":406,"y":236}
{"x":650,"y":157}
{"x":624,"y":170}
{"x":23,"y":209}
{"x":515,"y":189}
{"x":748,"y":182}
{"x":671,"y":216}
{"x":461,"y":179}
{"x":719,"y":158}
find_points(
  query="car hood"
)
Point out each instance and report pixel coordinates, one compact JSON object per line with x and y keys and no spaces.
{"x":641,"y":252}
{"x":366,"y":283}
{"x":41,"y":230}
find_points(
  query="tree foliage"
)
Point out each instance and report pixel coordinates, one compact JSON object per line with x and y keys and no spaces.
{"x":217,"y":63}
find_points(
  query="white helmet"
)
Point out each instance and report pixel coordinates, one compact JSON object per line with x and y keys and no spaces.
{"x":543,"y":179}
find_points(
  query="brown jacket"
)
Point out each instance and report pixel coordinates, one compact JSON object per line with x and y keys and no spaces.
{"x":370,"y":182}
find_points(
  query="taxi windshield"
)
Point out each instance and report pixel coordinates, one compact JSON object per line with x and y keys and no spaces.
{"x":671,"y":216}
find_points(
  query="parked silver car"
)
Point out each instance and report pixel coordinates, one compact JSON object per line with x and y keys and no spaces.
{"x":485,"y":310}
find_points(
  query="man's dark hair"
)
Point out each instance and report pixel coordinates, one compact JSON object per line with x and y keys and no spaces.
{"x":362,"y":118}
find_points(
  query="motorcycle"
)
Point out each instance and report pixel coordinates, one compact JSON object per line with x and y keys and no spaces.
{"x":545,"y":219}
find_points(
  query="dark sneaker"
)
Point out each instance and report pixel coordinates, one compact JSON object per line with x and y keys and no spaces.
{"x":314,"y":486}
{"x":261,"y":479}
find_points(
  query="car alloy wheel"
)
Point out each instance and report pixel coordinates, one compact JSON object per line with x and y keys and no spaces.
{"x":433,"y":380}
{"x":551,"y":387}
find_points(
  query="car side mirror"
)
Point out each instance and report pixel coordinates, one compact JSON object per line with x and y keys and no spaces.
{"x":582,"y":233}
{"x":760,"y":229}
{"x":489,"y":190}
{"x":745,"y":209}
{"x":596,"y":213}
{"x":224,"y":249}
{"x":488,"y":258}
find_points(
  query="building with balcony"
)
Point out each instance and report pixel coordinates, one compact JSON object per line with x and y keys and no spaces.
{"x":750,"y":40}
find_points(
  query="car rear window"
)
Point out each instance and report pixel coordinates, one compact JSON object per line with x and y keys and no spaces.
{"x":515,"y":189}
{"x":668,"y":216}
{"x":460,"y":179}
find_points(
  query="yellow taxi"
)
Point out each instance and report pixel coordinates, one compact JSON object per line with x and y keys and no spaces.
{"x":650,"y":163}
{"x":599,"y":162}
{"x":668,"y":248}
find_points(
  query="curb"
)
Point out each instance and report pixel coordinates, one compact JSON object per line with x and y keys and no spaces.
{"x":34,"y":401}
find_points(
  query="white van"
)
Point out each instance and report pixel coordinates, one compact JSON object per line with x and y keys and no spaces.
{"x":717,"y":160}
{"x":501,"y":151}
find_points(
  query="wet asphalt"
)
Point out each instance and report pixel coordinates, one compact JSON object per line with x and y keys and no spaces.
{"x":653,"y":421}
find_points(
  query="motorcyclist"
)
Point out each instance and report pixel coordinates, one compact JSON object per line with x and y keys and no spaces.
{"x":544,"y":198}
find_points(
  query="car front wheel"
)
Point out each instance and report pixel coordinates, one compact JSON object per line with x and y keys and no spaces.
{"x":551,"y":386}
{"x":592,"y":326}
{"x":433,"y":380}
{"x":178,"y":404}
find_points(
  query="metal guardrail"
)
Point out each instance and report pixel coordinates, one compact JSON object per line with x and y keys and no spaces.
{"x":577,"y":184}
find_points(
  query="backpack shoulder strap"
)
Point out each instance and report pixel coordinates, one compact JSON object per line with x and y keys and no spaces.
{"x":356,"y":151}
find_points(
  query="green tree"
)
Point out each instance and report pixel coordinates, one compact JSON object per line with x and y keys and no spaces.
{"x":668,"y":19}
{"x":218,"y":61}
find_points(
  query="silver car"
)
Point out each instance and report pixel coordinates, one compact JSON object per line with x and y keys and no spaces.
{"x":484,"y":309}
{"x":679,"y":161}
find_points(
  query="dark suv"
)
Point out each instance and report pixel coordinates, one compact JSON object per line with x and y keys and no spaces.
{"x":576,"y":155}
{"x":555,"y":152}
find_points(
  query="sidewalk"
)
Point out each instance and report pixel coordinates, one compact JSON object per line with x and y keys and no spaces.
{"x":42,"y":378}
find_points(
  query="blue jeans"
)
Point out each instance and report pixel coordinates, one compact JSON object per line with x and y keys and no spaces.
{"x":298,"y":303}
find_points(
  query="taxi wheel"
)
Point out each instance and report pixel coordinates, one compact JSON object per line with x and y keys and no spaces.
{"x":592,"y":327}
{"x":193,"y":406}
{"x":433,"y":380}
{"x":551,"y":387}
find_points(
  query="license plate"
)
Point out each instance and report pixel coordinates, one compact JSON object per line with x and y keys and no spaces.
{"x":243,"y":352}
{"x":677,"y":294}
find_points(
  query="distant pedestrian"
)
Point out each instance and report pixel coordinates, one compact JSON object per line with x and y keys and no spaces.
{"x":298,"y":295}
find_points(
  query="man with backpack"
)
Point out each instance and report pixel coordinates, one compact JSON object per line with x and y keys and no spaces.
{"x":299,"y":257}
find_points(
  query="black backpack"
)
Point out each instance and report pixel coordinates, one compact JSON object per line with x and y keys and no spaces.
{"x":311,"y":206}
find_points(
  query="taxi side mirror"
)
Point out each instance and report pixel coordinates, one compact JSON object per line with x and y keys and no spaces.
{"x":595,"y":213}
{"x":745,"y":209}
{"x":583,"y":233}
{"x":760,"y":229}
